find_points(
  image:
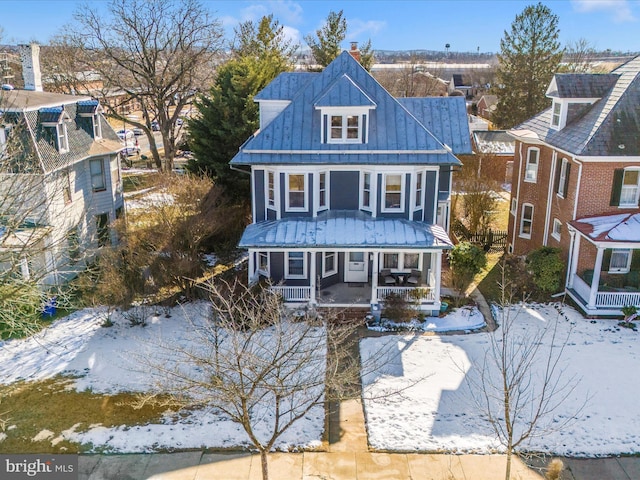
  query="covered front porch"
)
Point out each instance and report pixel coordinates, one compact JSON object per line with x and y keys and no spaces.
{"x":343,"y":259}
{"x":604,"y":263}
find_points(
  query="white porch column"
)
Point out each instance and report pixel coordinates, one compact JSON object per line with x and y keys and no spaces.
{"x":574,"y":255}
{"x":596,"y":278}
{"x":252,"y":266}
{"x":312,"y":283}
{"x":438,"y":276}
{"x":374,"y":277}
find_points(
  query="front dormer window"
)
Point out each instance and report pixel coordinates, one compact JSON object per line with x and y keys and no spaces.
{"x":56,"y":119}
{"x":92,"y":109}
{"x":97,"y":126}
{"x":345,"y":129}
{"x":63,"y":139}
{"x":556,"y":114}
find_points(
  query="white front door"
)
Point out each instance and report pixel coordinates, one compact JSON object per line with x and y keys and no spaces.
{"x":356,"y":267}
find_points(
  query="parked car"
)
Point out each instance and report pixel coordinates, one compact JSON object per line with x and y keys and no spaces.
{"x":138,"y":131}
{"x":155,"y":126}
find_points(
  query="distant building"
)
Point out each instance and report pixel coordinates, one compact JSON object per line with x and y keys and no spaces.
{"x":499,"y":146}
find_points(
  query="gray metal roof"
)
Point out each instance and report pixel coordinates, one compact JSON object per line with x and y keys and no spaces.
{"x":609,"y":127}
{"x":285,"y":86}
{"x":445,"y":117}
{"x":582,"y":85}
{"x":297,"y":128}
{"x":344,"y":229}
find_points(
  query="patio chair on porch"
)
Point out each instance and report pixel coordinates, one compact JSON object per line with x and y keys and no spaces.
{"x":387,"y":278}
{"x":414,"y":278}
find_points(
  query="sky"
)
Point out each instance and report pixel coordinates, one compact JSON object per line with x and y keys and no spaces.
{"x":466,"y":25}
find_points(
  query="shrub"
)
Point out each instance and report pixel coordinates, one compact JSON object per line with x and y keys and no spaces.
{"x":466,"y":261}
{"x":398,"y":309}
{"x":546,"y":266}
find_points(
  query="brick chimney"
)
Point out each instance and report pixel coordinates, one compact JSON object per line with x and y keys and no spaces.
{"x":355,"y":53}
{"x":30,"y":56}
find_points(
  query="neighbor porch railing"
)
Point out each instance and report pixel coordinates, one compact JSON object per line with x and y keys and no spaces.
{"x":617,"y":299}
{"x":293,"y":294}
{"x":419,"y":294}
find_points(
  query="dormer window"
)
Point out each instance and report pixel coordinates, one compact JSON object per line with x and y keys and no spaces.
{"x":56,"y":118}
{"x":345,"y":128}
{"x":555,"y":116}
{"x":92,"y":109}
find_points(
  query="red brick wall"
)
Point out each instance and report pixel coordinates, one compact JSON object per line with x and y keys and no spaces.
{"x":595,"y":189}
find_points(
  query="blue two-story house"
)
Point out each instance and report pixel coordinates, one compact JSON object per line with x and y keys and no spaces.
{"x":350,"y":188}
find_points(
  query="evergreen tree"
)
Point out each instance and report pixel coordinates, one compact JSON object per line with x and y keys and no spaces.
{"x":228,"y":115}
{"x":529,"y":56}
{"x":366,"y":56}
{"x":325,"y":46}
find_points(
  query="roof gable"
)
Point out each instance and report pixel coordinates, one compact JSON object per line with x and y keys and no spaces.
{"x":581,"y":85}
{"x":297,"y":128}
{"x":344,"y":93}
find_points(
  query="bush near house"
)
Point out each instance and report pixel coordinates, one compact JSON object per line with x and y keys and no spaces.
{"x":546,"y":266}
{"x":466,"y":260}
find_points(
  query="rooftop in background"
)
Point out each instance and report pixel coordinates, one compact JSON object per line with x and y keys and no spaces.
{"x":21,"y":100}
{"x":498,"y":142}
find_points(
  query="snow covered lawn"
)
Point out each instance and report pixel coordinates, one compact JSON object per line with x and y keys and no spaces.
{"x":107,"y":360}
{"x":437,"y":412}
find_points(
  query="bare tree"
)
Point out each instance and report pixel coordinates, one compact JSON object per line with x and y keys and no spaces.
{"x":157,"y":53}
{"x":262,"y":365}
{"x":579,"y":57}
{"x":522,"y":380}
{"x":412,"y":80}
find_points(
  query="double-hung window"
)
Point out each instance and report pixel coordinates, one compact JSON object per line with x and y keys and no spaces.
{"x":271,"y":189}
{"x":97,"y":125}
{"x":557,"y":229}
{"x":296,"y":192}
{"x":531,"y":171}
{"x":295,"y":265}
{"x":629,"y":192}
{"x":555,"y":117}
{"x":63,"y":139}
{"x":526,"y":222}
{"x":323,"y":192}
{"x":401,"y":261}
{"x":417,"y":203}
{"x":96,"y":168}
{"x":620,"y":261}
{"x":329,"y":264}
{"x":393,"y":195}
{"x":345,"y":129}
{"x":562,"y":179}
{"x":263,"y":263}
{"x":365,"y":191}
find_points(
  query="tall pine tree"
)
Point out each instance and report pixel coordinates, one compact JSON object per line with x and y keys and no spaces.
{"x":228,"y":115}
{"x":325,"y":46}
{"x":529,"y":56}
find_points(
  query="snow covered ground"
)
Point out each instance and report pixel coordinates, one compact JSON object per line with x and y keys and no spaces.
{"x":460,"y":319}
{"x":107,"y":360}
{"x":436,"y":410}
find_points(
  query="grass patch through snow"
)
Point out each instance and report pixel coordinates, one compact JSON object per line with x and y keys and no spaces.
{"x":33,"y":415}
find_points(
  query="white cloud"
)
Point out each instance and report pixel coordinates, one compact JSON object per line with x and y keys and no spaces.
{"x":292,"y":34}
{"x":285,"y":11}
{"x":620,"y":10}
{"x":359,"y":28}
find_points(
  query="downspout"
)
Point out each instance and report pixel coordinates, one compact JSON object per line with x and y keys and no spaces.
{"x":515,"y":214}
{"x":547,"y":215}
{"x":575,"y":204}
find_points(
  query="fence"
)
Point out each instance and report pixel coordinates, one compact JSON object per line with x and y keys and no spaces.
{"x":494,"y":241}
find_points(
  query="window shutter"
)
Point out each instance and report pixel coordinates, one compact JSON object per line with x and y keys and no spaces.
{"x":325,"y":125}
{"x":364,"y":128}
{"x":556,"y":180}
{"x":566,"y":180}
{"x":616,"y":189}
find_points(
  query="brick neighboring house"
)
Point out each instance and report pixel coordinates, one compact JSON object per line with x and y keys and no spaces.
{"x":576,"y":184}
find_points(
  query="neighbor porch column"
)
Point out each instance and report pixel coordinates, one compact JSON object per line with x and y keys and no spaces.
{"x":312,"y":282}
{"x":374,"y":278}
{"x":438,"y":276}
{"x":596,"y":278}
{"x":252,"y":267}
{"x":574,"y":256}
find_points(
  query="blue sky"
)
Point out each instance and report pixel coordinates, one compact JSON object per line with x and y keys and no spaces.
{"x":391,"y":25}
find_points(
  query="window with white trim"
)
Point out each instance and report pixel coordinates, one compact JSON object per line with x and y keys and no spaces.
{"x":295,"y":265}
{"x":531,"y":171}
{"x":526,"y":222}
{"x":63,"y":139}
{"x":323,"y":192}
{"x":514,"y":206}
{"x":97,"y":125}
{"x":620,"y":261}
{"x":410,"y":260}
{"x":329,"y":264}
{"x":555,"y":116}
{"x":296,"y":192}
{"x":401,"y":261}
{"x":391,"y":260}
{"x":263,"y":263}
{"x":345,"y":129}
{"x":562,"y":182}
{"x":393,"y":192}
{"x":96,"y":168}
{"x":629,"y":191}
{"x":418,"y":191}
{"x":365,"y":191}
{"x":557,"y":229}
{"x":271,"y":189}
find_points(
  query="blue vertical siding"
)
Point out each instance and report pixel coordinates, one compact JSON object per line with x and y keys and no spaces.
{"x":344,"y":190}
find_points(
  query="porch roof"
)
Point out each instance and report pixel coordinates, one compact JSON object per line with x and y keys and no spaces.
{"x":621,"y":227}
{"x":344,"y":229}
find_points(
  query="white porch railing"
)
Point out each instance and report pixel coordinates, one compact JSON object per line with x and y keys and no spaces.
{"x":293,"y":294}
{"x":617,"y":299}
{"x":424,"y":294}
